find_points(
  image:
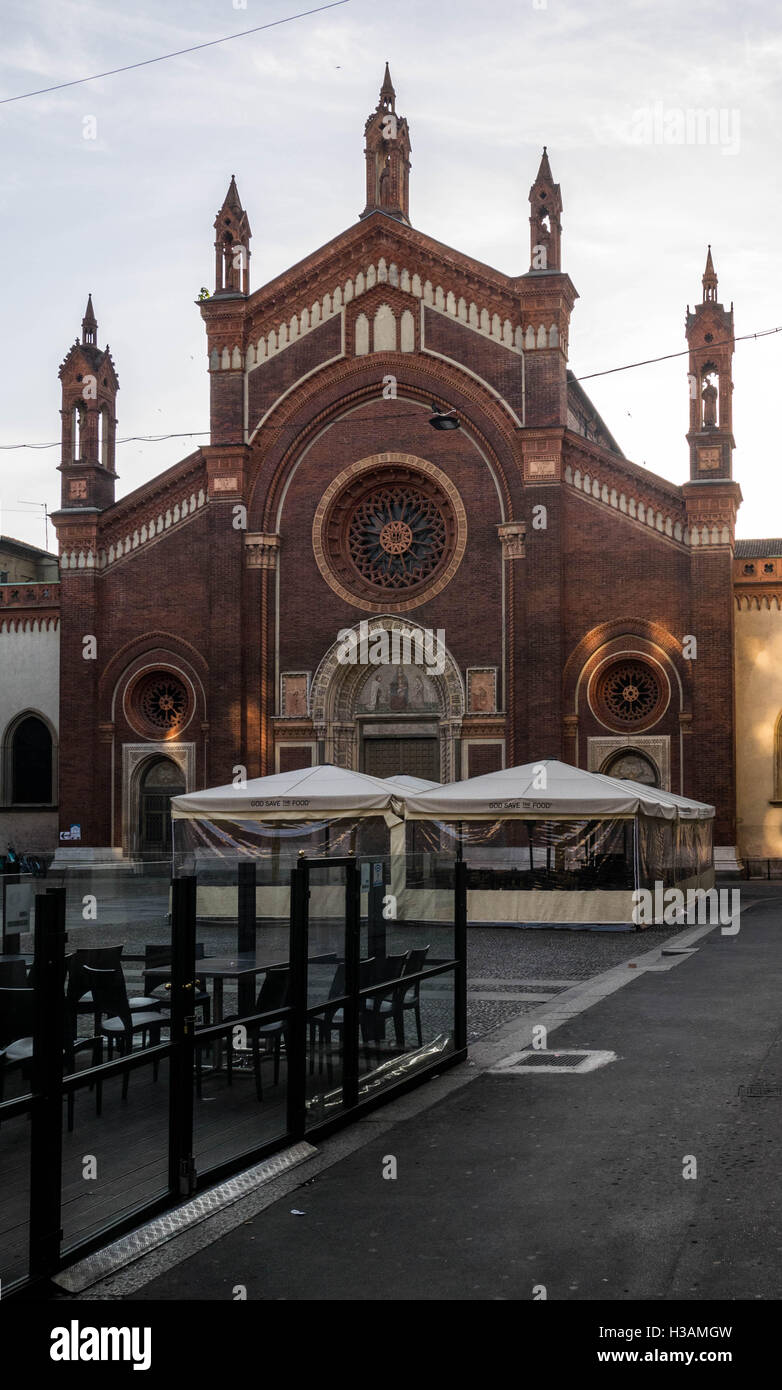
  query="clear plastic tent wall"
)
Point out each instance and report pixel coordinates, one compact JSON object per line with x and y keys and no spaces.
{"x":204,"y":846}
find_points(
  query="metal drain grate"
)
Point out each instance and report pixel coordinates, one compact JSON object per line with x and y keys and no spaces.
{"x":553,"y":1059}
{"x":570,"y":1061}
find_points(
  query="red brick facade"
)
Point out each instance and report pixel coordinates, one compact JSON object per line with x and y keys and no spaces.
{"x":565,"y":567}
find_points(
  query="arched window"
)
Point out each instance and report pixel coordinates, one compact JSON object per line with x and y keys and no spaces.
{"x":31,"y":763}
{"x":78,"y":422}
{"x":103,"y":436}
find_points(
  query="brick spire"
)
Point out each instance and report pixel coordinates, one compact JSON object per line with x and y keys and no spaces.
{"x":232,"y":245}
{"x":709,"y":329}
{"x":545,"y":225}
{"x":89,"y":325}
{"x":709,"y":281}
{"x":387,"y":153}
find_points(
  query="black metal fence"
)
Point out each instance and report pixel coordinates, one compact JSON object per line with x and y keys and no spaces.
{"x":249,"y":1031}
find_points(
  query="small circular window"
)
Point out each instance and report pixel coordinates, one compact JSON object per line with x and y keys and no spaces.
{"x":629,"y":694}
{"x":161,"y":702}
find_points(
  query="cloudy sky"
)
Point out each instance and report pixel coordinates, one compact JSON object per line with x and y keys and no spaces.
{"x":608,"y":87}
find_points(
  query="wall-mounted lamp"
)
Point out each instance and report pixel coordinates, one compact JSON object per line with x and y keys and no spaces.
{"x":443,"y":419}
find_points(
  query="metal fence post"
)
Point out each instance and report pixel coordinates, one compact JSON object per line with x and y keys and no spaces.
{"x":460,"y":953}
{"x":181,"y":1165}
{"x":296,"y":1039}
{"x":47,"y":1076}
{"x":352,"y":984}
{"x":245,"y":934}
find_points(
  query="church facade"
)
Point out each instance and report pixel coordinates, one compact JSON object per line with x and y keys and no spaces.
{"x":411,"y":543}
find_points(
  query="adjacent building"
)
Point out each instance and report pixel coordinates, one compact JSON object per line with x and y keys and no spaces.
{"x":29,"y":696}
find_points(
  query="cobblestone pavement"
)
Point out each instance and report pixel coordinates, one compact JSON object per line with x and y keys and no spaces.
{"x":510,"y":970}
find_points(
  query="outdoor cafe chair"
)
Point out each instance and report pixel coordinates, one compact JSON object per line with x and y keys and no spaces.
{"x":332,"y":1019}
{"x":272,"y":995}
{"x":115,"y":1022}
{"x":17,"y":1024}
{"x":77,"y":990}
{"x":13,"y":974}
{"x":389,"y":972}
{"x":405,"y":998}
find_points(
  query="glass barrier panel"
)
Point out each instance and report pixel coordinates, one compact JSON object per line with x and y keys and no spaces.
{"x":241,"y":1088}
{"x":115,"y":1149}
{"x":14,"y":1197}
{"x":407,"y":926}
{"x":326,"y":947}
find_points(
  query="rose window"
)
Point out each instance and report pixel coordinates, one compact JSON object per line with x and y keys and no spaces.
{"x":389,"y":531}
{"x":630,"y":693}
{"x":162,"y":701}
{"x":396,"y":536}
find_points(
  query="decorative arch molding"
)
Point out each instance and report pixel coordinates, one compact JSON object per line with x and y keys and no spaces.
{"x":613,"y":637}
{"x":348,"y":384}
{"x":161,"y":646}
{"x":336,"y":686}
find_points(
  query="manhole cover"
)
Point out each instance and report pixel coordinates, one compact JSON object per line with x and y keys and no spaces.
{"x":571,"y":1061}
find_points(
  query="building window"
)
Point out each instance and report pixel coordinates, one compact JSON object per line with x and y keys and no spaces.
{"x":31,"y":763}
{"x":161,"y":704}
{"x":629,"y":694}
{"x":78,"y":423}
{"x":749,"y":569}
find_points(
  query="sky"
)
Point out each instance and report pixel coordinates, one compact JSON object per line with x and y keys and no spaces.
{"x":112,"y":186}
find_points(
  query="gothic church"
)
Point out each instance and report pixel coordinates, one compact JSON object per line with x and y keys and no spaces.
{"x":396,"y":440}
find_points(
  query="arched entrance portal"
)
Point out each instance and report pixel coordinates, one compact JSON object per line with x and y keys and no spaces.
{"x":160,"y":780}
{"x":402,"y":713}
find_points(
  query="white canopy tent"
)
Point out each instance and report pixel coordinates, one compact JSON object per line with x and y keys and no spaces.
{"x":309,"y":793}
{"x":550,"y":843}
{"x":545,"y":790}
{"x":320,"y":811}
{"x":553,"y":844}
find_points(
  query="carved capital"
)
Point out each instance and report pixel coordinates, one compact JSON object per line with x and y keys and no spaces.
{"x":262,"y":550}
{"x":512,"y":536}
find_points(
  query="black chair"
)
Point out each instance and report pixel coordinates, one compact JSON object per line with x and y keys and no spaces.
{"x":273,"y":995}
{"x":77,"y":990}
{"x":405,"y":998}
{"x":332,"y":1019}
{"x":115,"y":1022}
{"x":17,"y":1024}
{"x":156,"y":956}
{"x":13,"y":974}
{"x":388,"y":971}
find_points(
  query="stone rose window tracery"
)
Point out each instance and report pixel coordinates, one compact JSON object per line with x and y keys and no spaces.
{"x":161,"y":703}
{"x":389,"y":532}
{"x":397,"y":536}
{"x":629,"y":694}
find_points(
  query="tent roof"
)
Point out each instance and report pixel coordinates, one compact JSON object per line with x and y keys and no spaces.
{"x":411,"y":784}
{"x":547,"y":790}
{"x":309,"y":793}
{"x":687,"y":808}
